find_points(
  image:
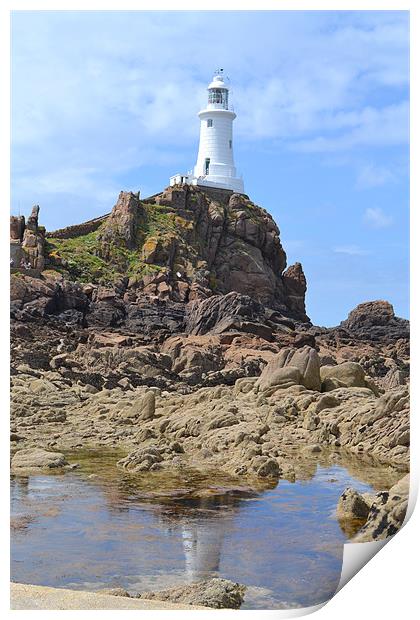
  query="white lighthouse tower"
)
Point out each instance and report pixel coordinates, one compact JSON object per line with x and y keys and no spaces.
{"x":215,"y":166}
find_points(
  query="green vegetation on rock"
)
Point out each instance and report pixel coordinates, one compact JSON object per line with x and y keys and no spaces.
{"x":80,"y":258}
{"x":77,"y":258}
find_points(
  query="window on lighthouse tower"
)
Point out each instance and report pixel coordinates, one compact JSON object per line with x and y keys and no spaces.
{"x":219,"y":95}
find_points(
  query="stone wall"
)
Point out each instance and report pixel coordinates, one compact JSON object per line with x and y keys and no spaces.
{"x":219,"y":195}
{"x":78,"y":230}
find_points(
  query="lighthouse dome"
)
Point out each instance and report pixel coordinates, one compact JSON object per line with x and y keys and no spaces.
{"x":218,"y":81}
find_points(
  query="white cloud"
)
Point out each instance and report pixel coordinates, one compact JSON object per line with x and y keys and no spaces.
{"x":350,"y":250}
{"x":374,"y":176}
{"x":368,"y":127}
{"x":377,"y":218}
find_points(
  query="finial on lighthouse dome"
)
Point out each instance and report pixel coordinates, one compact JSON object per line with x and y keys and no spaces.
{"x":215,"y":166}
{"x":219,"y":80}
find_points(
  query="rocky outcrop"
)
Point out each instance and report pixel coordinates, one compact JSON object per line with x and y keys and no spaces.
{"x":215,"y":593}
{"x":164,"y":259}
{"x":35,"y":298}
{"x":233,"y":244}
{"x":375,"y":320}
{"x":17,"y":227}
{"x":241,"y":429}
{"x":295,"y":289}
{"x":378,"y":516}
{"x":193,"y":349}
{"x":121,"y":227}
{"x":231,"y":312}
{"x":187,"y":244}
{"x":33,"y":240}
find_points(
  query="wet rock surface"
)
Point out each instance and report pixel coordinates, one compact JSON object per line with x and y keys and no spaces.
{"x":352,"y":505}
{"x":387,"y":513}
{"x":36,"y":459}
{"x":216,"y":593}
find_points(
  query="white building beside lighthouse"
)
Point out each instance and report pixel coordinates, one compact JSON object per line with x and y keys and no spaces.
{"x":215,"y":166}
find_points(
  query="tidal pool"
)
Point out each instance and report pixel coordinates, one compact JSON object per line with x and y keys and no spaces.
{"x":98,"y":527}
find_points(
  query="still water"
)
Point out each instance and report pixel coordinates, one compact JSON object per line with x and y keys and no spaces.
{"x":88,"y":531}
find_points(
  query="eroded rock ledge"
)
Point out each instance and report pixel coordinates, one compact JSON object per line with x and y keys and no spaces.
{"x":374,"y":517}
{"x":242,"y":430}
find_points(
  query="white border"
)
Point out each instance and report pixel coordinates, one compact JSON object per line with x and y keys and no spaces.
{"x":386,"y":586}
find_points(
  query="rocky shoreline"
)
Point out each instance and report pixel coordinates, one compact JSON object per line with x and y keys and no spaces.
{"x":202,"y":357}
{"x":256,"y":430}
{"x":241,"y":429}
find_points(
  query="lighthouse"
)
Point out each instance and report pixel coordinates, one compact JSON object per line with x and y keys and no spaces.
{"x":215,"y":166}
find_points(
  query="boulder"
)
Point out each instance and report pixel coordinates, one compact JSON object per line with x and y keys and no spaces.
{"x":305,"y":360}
{"x":193,"y":356}
{"x":369,"y":314}
{"x":147,"y":406}
{"x":215,"y":593}
{"x":352,"y":505}
{"x":142,"y":408}
{"x":269,"y":468}
{"x":142,"y":460}
{"x":17,"y":227}
{"x":347,"y":374}
{"x":37,"y":458}
{"x":279,"y":378}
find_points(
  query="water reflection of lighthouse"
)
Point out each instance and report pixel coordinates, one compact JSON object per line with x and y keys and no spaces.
{"x":202,"y":541}
{"x":204,"y":525}
{"x":202,"y":521}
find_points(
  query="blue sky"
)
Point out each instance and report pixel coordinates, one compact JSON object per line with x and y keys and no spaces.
{"x":104,"y":101}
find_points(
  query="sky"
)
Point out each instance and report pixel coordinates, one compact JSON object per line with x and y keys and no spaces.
{"x":104,"y":101}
